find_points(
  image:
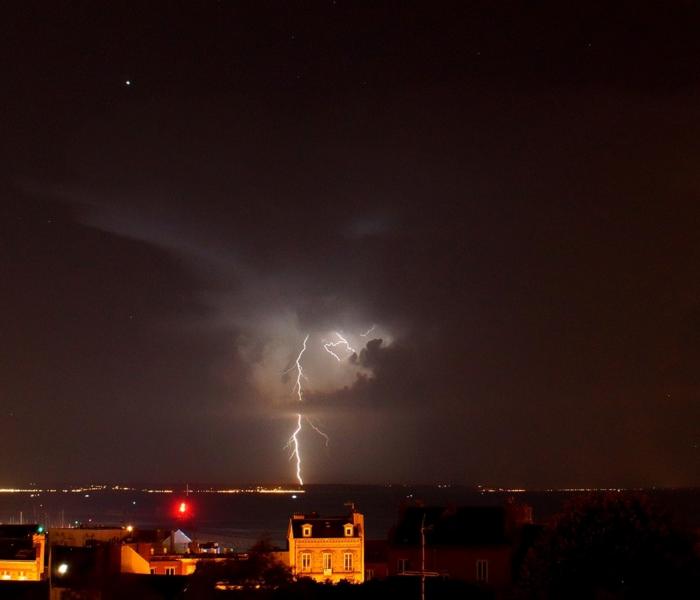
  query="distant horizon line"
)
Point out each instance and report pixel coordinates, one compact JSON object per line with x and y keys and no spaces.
{"x":208,"y":487}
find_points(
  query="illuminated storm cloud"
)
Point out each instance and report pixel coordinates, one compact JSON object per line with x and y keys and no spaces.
{"x":325,"y":361}
{"x":272,"y":365}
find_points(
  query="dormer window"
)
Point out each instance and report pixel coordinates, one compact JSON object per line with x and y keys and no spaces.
{"x":348,"y":530}
{"x":306,"y":530}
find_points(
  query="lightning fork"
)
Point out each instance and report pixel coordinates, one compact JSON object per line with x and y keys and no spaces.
{"x":293,"y":442}
{"x":317,"y":430}
{"x":300,"y":371}
{"x":341,"y":342}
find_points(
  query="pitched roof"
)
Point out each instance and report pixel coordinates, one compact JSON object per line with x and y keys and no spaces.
{"x":465,"y":526}
{"x":18,"y":531}
{"x":149,"y":536}
{"x":16,"y":542}
{"x":327,"y":527}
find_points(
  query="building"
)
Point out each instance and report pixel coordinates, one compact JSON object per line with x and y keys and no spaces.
{"x":174,"y":564}
{"x":209,"y":548}
{"x":376,"y":559}
{"x":136,"y":551}
{"x":22,"y":549}
{"x":152,"y":542}
{"x":122,"y":562}
{"x":327,"y":549}
{"x":472,"y":544}
{"x":162,"y":552}
{"x":86,"y":536}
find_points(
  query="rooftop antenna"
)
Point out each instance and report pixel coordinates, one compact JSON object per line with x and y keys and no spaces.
{"x":422,"y":573}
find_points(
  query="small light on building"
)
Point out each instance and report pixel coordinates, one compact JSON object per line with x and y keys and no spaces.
{"x":62,"y":569}
{"x":129,"y":528}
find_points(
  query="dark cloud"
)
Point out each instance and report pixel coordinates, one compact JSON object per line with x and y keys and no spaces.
{"x":370,"y":355}
{"x":516,"y":213}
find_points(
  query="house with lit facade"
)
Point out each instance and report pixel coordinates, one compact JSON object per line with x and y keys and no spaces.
{"x":327,"y":548}
{"x":22,"y":550}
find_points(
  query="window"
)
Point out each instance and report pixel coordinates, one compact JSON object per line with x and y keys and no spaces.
{"x":347,"y":561}
{"x":22,"y":576}
{"x":6,"y":575}
{"x":369,"y":574}
{"x":348,"y":530}
{"x":327,"y":561}
{"x":402,"y":565}
{"x":306,"y":531}
{"x":170,"y":570}
{"x":153,"y":571}
{"x":305,"y":561}
{"x":482,"y":570}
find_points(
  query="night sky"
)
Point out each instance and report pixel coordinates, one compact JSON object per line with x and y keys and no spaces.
{"x":508,"y":192}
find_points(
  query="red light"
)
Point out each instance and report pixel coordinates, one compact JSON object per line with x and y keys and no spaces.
{"x":182,"y":509}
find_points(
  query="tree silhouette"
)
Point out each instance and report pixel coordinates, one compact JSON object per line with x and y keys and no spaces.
{"x":611,"y":546}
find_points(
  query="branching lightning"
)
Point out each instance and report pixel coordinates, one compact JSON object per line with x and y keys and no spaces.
{"x":293,"y":443}
{"x":340,"y":342}
{"x":317,"y":430}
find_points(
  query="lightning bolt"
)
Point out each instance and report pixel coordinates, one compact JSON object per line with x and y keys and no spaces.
{"x":300,"y":371}
{"x":317,"y":430}
{"x":370,"y":330}
{"x":298,"y":389}
{"x":341,"y":342}
{"x":293,"y":442}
